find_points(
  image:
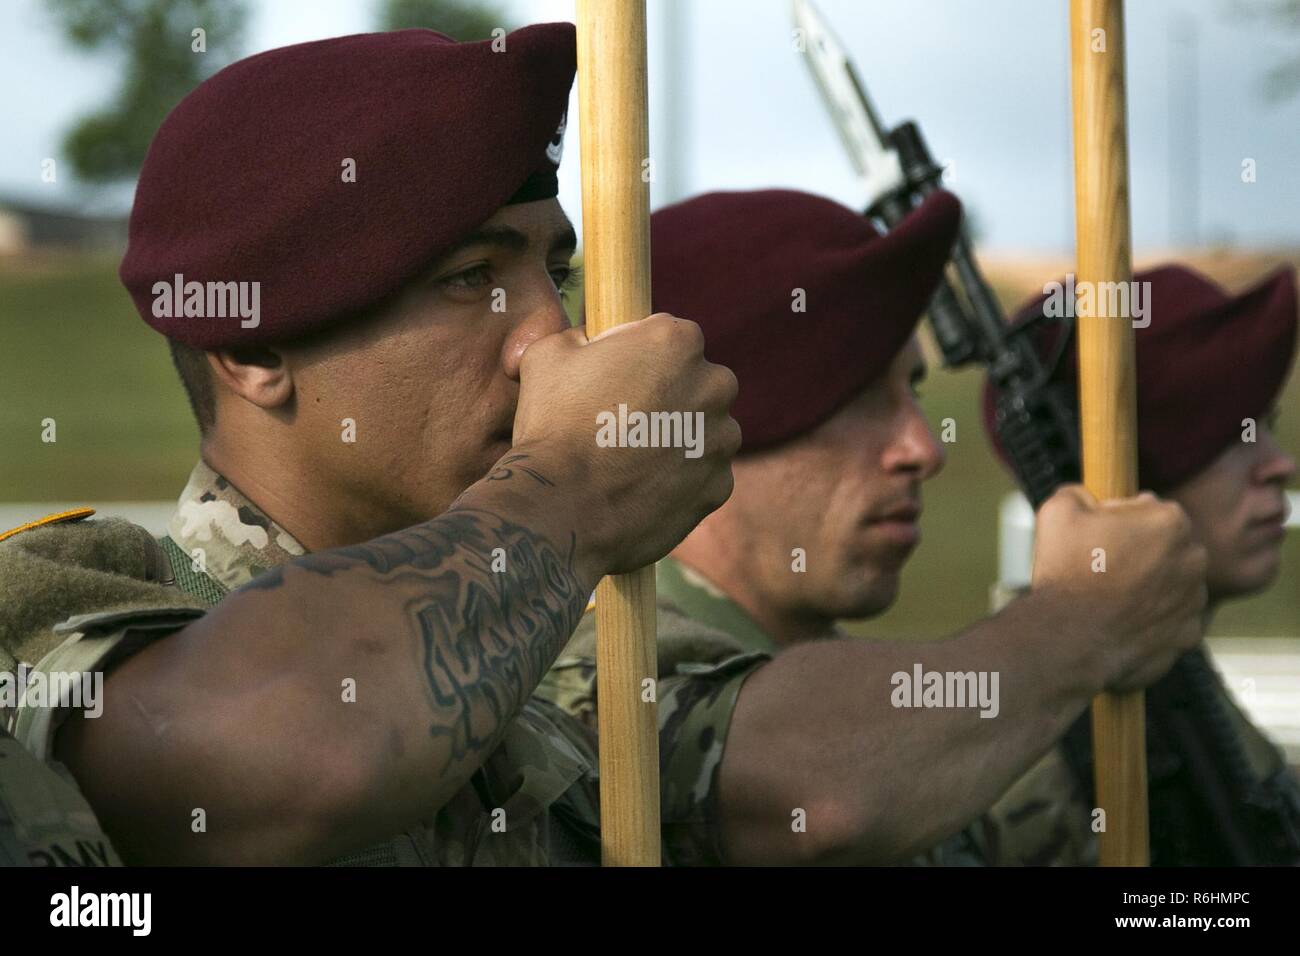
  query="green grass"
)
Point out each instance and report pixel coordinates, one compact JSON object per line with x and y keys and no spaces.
{"x":72,"y":348}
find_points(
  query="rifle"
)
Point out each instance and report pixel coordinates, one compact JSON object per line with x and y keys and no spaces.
{"x":1209,"y":804}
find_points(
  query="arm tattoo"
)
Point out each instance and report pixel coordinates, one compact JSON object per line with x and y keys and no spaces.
{"x":488,"y":627}
{"x":503,"y":471}
{"x":488,"y":637}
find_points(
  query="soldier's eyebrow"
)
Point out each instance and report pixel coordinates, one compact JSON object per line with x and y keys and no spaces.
{"x":565,"y":241}
{"x":503,"y":237}
{"x":512,"y":240}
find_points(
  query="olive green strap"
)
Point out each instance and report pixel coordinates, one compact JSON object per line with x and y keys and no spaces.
{"x":194,"y":583}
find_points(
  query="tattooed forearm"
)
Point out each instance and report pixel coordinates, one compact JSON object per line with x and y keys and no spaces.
{"x":437,"y":637}
{"x":489,"y":604}
{"x":490,"y":628}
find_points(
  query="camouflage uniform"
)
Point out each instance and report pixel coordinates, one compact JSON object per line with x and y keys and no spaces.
{"x":1046,"y":818}
{"x":44,"y":819}
{"x":701,"y":670}
{"x":543,"y":774}
{"x":707,"y":647}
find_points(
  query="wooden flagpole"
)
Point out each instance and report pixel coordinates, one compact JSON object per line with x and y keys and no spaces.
{"x":1108,"y":418}
{"x":612,"y":112}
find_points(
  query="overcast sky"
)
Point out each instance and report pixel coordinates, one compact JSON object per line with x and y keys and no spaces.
{"x":987,"y":79}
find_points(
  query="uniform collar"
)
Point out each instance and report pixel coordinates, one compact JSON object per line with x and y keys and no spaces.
{"x":702,"y":600}
{"x":239,"y":541}
{"x":230,"y":537}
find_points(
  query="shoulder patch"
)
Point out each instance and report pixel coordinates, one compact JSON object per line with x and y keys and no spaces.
{"x":62,"y":570}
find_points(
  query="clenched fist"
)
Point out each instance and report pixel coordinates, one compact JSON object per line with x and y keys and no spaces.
{"x":1132,"y":569}
{"x":641,"y":500}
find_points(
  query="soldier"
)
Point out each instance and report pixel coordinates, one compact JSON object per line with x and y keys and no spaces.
{"x":397,"y":519}
{"x":816,"y":313}
{"x":1210,"y":370}
{"x":401,"y":508}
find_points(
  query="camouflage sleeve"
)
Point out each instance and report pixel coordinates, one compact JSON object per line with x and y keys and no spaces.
{"x":695,"y":708}
{"x":701,"y":671}
{"x":1043,"y":820}
{"x":570,"y":684}
{"x":71,"y":676}
{"x":44,"y":819}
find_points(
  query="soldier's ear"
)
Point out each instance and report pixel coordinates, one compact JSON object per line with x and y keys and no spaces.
{"x":257,"y":374}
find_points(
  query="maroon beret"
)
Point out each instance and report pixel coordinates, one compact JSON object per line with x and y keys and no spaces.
{"x":244,"y":181}
{"x":1206,"y":361}
{"x":733,"y":262}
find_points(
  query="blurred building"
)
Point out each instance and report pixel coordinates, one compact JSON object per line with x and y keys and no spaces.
{"x":26,"y":226}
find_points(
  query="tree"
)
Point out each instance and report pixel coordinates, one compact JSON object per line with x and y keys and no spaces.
{"x":1282,"y":80}
{"x":456,"y":18}
{"x":162,"y":63}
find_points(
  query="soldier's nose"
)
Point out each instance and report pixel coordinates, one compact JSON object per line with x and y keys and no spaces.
{"x":541,"y":322}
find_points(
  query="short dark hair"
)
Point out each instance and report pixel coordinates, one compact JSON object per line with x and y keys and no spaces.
{"x":196,"y":376}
